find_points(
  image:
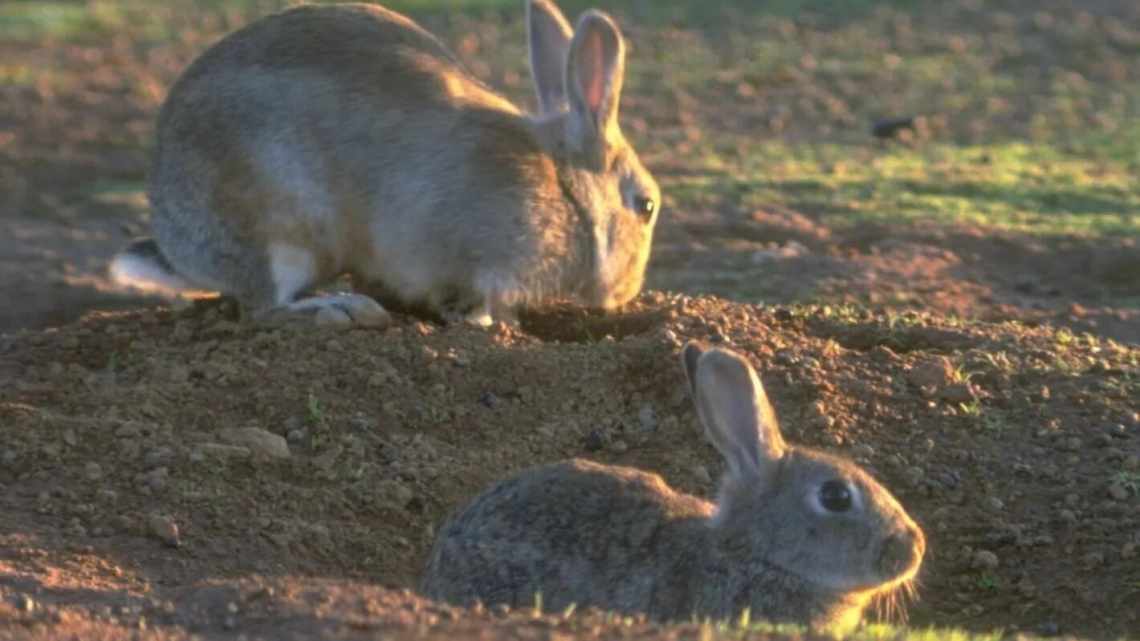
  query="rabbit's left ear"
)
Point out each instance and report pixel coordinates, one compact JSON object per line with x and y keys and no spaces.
{"x":595,"y":72}
{"x":734,"y":410}
{"x":548,"y":36}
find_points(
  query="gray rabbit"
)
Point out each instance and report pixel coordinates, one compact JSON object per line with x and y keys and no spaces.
{"x":333,"y":139}
{"x":795,"y":535}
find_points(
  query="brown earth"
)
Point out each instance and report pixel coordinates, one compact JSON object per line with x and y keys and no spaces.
{"x":126,"y":505}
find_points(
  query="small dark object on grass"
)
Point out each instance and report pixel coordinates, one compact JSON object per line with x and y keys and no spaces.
{"x":892,"y":127}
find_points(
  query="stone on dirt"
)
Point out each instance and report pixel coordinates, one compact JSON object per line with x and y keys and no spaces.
{"x":935,"y":373}
{"x":260,"y":442}
{"x":164,"y":529}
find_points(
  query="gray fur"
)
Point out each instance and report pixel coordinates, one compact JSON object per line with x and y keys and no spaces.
{"x":344,"y":138}
{"x":621,"y":539}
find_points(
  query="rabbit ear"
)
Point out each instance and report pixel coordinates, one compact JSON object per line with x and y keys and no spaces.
{"x":734,"y":410}
{"x":595,"y":71}
{"x":548,"y":34}
{"x":690,"y":354}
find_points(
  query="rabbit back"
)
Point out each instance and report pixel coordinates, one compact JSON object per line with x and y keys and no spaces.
{"x":796,"y":536}
{"x":577,"y":533}
{"x":341,"y":138}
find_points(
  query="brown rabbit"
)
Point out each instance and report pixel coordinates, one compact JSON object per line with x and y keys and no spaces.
{"x":337,"y":139}
{"x":795,"y":535}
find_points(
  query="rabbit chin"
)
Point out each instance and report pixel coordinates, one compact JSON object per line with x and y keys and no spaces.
{"x":607,"y":297}
{"x":869,"y":584}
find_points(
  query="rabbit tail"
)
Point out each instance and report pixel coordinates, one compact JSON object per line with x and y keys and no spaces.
{"x":143,"y":266}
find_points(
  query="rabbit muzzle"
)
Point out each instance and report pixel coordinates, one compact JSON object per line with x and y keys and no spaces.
{"x":610,"y":294}
{"x":901,"y":555}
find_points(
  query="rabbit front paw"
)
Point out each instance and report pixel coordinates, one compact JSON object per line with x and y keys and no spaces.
{"x":333,"y":310}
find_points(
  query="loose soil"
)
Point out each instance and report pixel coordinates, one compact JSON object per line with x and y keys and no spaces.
{"x":131,"y":501}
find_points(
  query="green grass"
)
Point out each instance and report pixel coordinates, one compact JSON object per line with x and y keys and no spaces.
{"x":29,"y":20}
{"x":61,"y":19}
{"x":1035,"y":189}
{"x":873,"y":632}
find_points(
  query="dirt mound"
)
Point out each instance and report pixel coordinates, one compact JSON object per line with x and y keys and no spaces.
{"x":146,"y":454}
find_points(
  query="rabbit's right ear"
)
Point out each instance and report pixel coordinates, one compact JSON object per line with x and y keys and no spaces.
{"x":735,"y":412}
{"x":548,"y":35}
{"x":595,"y":72}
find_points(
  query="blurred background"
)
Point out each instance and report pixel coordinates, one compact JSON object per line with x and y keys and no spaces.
{"x":978,"y":159}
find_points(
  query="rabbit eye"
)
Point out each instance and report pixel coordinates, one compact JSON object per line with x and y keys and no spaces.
{"x":644,"y":206}
{"x":835,"y":496}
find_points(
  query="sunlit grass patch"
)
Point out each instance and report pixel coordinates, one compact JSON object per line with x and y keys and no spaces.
{"x":35,"y":19}
{"x":32,"y":19}
{"x":717,"y":631}
{"x":1017,"y":187}
{"x":17,"y":74}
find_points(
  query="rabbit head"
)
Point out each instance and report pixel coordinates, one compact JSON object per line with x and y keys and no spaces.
{"x":578,"y":74}
{"x":806,"y":513}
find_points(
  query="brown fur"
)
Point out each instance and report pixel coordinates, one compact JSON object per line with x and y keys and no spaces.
{"x":345,"y":138}
{"x":621,"y":539}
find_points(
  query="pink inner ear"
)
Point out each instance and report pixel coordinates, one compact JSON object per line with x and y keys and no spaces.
{"x":591,"y":72}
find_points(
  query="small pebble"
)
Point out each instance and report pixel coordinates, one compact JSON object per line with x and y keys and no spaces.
{"x":489,"y":400}
{"x":701,"y":473}
{"x":883,"y":354}
{"x":958,"y":393}
{"x":984,"y":560}
{"x":92,"y":471}
{"x":156,"y":478}
{"x":914,"y":475}
{"x":260,"y":442}
{"x":164,"y":529}
{"x":397,"y":492}
{"x":159,"y":456}
{"x":973,"y":610}
{"x":1118,"y":492}
{"x":647,"y":418}
{"x":936,"y":372}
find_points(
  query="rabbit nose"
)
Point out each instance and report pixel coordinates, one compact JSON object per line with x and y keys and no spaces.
{"x":902,"y":553}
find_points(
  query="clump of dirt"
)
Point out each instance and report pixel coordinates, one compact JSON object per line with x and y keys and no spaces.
{"x":149,"y":456}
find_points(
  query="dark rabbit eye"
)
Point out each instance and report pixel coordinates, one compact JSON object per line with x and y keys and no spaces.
{"x":644,"y":206}
{"x":835,"y":496}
